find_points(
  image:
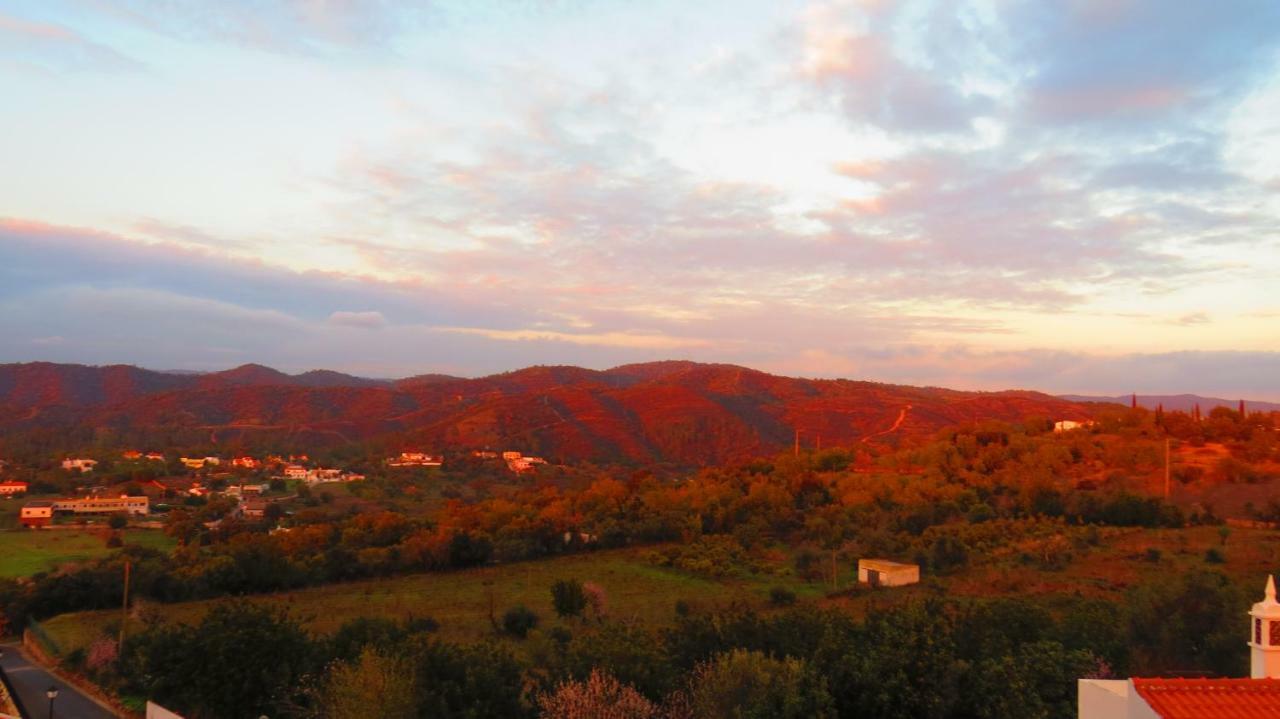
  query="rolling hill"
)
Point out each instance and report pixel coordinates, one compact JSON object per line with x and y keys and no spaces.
{"x":1177,"y":402}
{"x":680,"y":412}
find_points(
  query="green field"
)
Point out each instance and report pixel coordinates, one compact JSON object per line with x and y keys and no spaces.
{"x":636,"y":590}
{"x":24,"y":552}
{"x":639,"y":589}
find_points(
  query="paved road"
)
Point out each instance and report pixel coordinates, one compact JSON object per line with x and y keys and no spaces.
{"x":30,"y":682}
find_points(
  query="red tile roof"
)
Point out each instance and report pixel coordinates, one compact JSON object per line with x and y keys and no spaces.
{"x":1211,"y":698}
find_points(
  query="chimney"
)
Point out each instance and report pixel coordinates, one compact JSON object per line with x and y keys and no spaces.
{"x":1264,"y":635}
{"x":1133,"y":401}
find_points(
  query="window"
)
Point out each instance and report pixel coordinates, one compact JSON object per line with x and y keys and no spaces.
{"x":1257,"y":631}
{"x":1275,"y":634}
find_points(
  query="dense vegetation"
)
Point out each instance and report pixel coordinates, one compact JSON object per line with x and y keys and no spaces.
{"x":973,"y":495}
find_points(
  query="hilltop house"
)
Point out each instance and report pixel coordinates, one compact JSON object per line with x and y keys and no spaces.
{"x":81,"y":465}
{"x":884,"y":573}
{"x":246,"y":462}
{"x":131,"y":454}
{"x":1257,"y":696}
{"x":295,"y":471}
{"x":154,"y":457}
{"x":11,"y":488}
{"x":190,"y":463}
{"x":415,"y":459}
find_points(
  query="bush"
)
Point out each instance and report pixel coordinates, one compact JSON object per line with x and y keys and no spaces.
{"x":781,"y":597}
{"x":1152,"y":555}
{"x":118,"y":521}
{"x":568,"y":598}
{"x":1214,"y":556}
{"x":519,"y":621}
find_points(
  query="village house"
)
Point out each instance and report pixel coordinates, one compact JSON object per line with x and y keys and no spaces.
{"x":1257,"y":696}
{"x":511,"y":455}
{"x":35,"y":515}
{"x":295,"y":471}
{"x":415,"y":459}
{"x":190,"y":463}
{"x":81,"y":465}
{"x":247,"y":490}
{"x":103,"y":505}
{"x":10,"y":488}
{"x":131,"y":454}
{"x":1067,"y":425}
{"x":519,"y":465}
{"x":484,"y":454}
{"x":245,"y":462}
{"x":884,"y":573}
{"x":254,"y":508}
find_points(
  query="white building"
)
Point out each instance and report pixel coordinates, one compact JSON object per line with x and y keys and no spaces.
{"x":1067,"y":425}
{"x":884,"y":573}
{"x":295,"y":471}
{"x":82,"y":465}
{"x":1257,"y":696}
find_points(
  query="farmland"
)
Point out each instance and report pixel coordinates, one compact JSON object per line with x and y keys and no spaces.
{"x":24,"y":552}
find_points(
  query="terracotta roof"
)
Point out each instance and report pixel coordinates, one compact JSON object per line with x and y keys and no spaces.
{"x":1211,"y":698}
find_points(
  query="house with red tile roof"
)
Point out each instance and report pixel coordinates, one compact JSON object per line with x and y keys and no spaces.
{"x":1252,"y":698}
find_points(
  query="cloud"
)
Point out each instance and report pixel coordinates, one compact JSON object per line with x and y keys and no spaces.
{"x":371,"y":320}
{"x":287,"y":26}
{"x":54,"y":48}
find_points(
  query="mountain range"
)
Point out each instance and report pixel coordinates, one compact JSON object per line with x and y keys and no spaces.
{"x":673,"y":411}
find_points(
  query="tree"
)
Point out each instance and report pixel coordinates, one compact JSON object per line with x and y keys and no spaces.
{"x":519,"y":621}
{"x":118,"y":520}
{"x":374,"y":684}
{"x":568,"y":598}
{"x":241,"y":659}
{"x":745,"y":684}
{"x":599,"y":697}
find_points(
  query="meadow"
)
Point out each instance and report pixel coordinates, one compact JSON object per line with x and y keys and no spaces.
{"x":640,"y":590}
{"x":24,"y":552}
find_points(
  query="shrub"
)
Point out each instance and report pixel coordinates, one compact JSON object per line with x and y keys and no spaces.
{"x":568,"y":598}
{"x":781,"y":597}
{"x":1152,"y":555}
{"x":1214,"y":556}
{"x":519,"y":621}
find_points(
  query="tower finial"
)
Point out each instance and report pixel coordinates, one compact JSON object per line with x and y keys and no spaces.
{"x":1271,"y":588}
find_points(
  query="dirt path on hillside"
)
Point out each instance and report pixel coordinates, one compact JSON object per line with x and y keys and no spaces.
{"x":902,"y":416}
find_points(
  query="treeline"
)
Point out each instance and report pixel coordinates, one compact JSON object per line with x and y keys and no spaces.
{"x":935,"y":658}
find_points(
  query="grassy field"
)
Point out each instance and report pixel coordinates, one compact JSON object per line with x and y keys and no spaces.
{"x":640,"y":590}
{"x":459,"y":601}
{"x":25,"y":552}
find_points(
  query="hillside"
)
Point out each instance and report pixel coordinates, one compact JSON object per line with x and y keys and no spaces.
{"x":1177,"y":402}
{"x":680,"y":412}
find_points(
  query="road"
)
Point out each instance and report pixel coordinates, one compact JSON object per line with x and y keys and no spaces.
{"x":30,"y":682}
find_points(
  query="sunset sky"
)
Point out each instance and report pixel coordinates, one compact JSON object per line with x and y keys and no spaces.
{"x":1068,"y":196}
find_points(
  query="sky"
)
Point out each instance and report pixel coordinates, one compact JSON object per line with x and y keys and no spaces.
{"x":1076,"y":196}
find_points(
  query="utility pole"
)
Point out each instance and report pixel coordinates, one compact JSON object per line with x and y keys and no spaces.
{"x":1166,"y":469}
{"x":796,"y":450}
{"x":124,"y":611}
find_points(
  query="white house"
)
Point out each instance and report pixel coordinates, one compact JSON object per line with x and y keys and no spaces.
{"x":1257,"y":696}
{"x":82,"y":465}
{"x":295,"y":471}
{"x":10,"y":487}
{"x":884,"y":573}
{"x":1067,"y":425}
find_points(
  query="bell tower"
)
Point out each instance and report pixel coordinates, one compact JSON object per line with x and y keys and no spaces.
{"x":1264,"y":635}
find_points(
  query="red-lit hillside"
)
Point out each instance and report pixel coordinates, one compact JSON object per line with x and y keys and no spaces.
{"x":679,"y":412}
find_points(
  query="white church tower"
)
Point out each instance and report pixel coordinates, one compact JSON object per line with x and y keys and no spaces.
{"x":1264,"y":635}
